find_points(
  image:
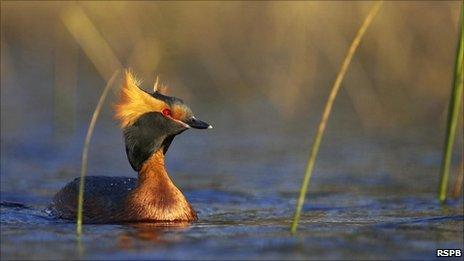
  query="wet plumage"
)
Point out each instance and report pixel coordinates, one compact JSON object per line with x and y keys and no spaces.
{"x":103,"y":197}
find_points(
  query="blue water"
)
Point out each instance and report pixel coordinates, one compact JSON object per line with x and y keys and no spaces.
{"x":367,"y":200}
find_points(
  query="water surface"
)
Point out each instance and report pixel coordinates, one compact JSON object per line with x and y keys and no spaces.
{"x":368,"y":200}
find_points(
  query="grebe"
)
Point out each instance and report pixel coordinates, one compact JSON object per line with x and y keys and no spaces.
{"x":149,"y":121}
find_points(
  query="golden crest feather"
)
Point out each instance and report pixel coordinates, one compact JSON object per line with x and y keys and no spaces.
{"x":134,"y":102}
{"x":160,"y":88}
{"x":156,"y":85}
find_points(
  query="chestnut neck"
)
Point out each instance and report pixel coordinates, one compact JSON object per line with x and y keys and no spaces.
{"x":155,"y":181}
{"x":153,"y":169}
{"x":156,"y":197}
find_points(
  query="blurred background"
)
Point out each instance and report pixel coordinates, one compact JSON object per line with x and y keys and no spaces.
{"x":260,"y":73}
{"x":248,"y":68}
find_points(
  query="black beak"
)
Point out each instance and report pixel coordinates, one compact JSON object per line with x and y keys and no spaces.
{"x":197,"y":124}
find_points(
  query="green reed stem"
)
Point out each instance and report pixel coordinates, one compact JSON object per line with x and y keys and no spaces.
{"x":325,"y":116}
{"x":453,"y":116}
{"x":85,"y":151}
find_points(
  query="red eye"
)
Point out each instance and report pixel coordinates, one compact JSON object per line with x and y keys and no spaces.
{"x":166,"y":112}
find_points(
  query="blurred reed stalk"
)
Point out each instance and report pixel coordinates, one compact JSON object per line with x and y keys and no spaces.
{"x":64,"y":89}
{"x":453,"y":116}
{"x":85,"y":150}
{"x":459,"y":179}
{"x":90,"y":41}
{"x":325,"y":116}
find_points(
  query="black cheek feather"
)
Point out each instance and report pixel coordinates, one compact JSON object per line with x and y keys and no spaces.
{"x":167,"y":143}
{"x":143,"y":138}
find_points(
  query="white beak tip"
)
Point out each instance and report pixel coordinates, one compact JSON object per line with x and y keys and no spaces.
{"x":210,"y":127}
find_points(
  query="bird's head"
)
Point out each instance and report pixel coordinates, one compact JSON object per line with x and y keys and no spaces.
{"x":150,"y":121}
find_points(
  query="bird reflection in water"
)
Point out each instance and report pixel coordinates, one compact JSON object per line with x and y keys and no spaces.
{"x":160,"y":233}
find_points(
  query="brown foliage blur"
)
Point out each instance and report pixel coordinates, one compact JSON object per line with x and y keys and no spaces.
{"x":232,"y":53}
